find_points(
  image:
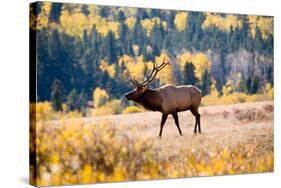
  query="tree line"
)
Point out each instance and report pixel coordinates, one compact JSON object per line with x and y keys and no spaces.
{"x":83,"y":47}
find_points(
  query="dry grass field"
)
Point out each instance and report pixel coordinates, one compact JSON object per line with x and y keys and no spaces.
{"x":235,"y":139}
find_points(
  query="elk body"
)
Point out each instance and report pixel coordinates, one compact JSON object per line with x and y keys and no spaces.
{"x":167,"y":99}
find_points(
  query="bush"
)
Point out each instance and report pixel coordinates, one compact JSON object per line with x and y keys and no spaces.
{"x":237,"y":97}
{"x":268,"y":108}
{"x":109,"y":108}
{"x":251,"y":114}
{"x":88,"y":154}
{"x":41,"y":111}
{"x":132,"y":109}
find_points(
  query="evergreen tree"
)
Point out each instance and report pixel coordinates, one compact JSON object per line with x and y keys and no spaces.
{"x":108,"y":48}
{"x":189,"y":75}
{"x":258,"y":41}
{"x":85,"y":10}
{"x":76,"y":101}
{"x":72,"y":100}
{"x":55,"y":12}
{"x":206,"y":83}
{"x":121,"y":16}
{"x":252,"y":84}
{"x":57,"y":95}
{"x":83,"y":98}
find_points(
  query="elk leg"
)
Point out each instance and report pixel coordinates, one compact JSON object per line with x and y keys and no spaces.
{"x":195,"y":126}
{"x":198,"y":122}
{"x":195,"y":112}
{"x":164,"y":118}
{"x":176,"y":118}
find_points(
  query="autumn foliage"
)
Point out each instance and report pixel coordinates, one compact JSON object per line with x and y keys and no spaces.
{"x":76,"y":152}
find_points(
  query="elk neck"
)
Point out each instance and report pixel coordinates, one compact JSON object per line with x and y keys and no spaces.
{"x":151,"y":99}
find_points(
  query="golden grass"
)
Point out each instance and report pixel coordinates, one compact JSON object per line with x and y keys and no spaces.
{"x":74,"y":152}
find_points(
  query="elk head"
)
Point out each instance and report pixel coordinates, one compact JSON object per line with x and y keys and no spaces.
{"x":141,"y":87}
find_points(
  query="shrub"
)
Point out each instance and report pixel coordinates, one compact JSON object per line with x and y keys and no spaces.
{"x":268,"y":108}
{"x":132,"y":109}
{"x":87,"y":154}
{"x":251,"y":114}
{"x":269,"y":91}
{"x":237,"y":97}
{"x":225,"y":114}
{"x":109,"y":108}
{"x":245,"y":115}
{"x":41,"y":111}
{"x":100,"y":97}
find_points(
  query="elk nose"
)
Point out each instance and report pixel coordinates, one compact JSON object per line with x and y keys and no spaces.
{"x":127,"y":95}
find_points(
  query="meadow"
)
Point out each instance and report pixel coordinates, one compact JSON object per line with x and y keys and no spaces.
{"x":235,"y":139}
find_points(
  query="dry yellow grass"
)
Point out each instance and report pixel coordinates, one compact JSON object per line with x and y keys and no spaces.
{"x":236,"y":139}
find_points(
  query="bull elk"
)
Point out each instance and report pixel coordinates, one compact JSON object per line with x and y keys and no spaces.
{"x":167,"y":99}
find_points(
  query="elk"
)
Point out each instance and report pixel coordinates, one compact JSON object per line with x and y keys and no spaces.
{"x":167,"y":99}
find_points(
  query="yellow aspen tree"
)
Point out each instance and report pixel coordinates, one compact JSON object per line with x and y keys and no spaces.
{"x":201,"y":63}
{"x":100,"y":97}
{"x":180,"y":21}
{"x":253,"y":24}
{"x":264,"y":24}
{"x":222,"y":23}
{"x":269,"y":91}
{"x":213,"y":91}
{"x":136,"y":68}
{"x":147,"y":25}
{"x":105,"y":67}
{"x":130,"y":22}
{"x":165,"y":25}
{"x":40,"y":21}
{"x":114,"y":28}
{"x":73,"y":24}
{"x":166,"y":75}
{"x":227,"y":88}
{"x":183,"y":59}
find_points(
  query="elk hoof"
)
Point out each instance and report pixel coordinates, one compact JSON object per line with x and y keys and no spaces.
{"x":195,"y":131}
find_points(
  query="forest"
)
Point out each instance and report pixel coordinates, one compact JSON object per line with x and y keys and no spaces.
{"x":85,"y":54}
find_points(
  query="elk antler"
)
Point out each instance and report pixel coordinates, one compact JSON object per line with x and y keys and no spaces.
{"x":134,"y":81}
{"x":152,"y":74}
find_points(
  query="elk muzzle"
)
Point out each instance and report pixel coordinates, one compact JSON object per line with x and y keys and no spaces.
{"x":130,"y":95}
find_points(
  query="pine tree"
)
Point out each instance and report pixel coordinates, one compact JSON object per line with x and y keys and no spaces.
{"x":72,"y":100}
{"x":121,"y":16}
{"x":55,"y":12}
{"x":252,"y":84}
{"x":189,"y":75}
{"x":108,"y":48}
{"x":206,"y":83}
{"x":57,"y":95}
{"x":83,"y":98}
{"x":76,"y":101}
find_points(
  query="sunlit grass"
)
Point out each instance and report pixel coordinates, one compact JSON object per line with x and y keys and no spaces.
{"x":77,"y":153}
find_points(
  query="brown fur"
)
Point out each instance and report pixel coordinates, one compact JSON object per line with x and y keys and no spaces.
{"x":169,"y":99}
